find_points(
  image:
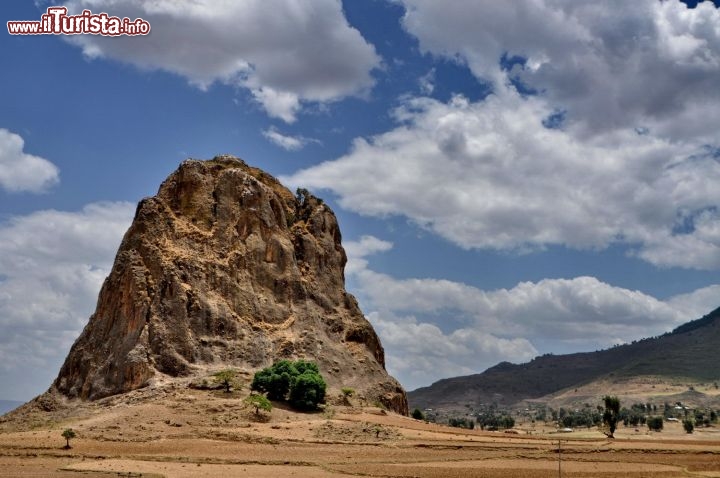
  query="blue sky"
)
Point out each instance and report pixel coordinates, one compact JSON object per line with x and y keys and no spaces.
{"x":510,"y":179}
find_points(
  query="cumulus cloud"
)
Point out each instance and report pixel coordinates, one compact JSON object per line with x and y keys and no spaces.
{"x":284,"y":52}
{"x":287,"y":142}
{"x":419,"y":353}
{"x":427,"y":82}
{"x":616,"y":146}
{"x":698,"y":302}
{"x":608,"y":64}
{"x":52,"y":264}
{"x":357,"y":251}
{"x":435,"y":328}
{"x":20,"y":171}
{"x":490,"y":175}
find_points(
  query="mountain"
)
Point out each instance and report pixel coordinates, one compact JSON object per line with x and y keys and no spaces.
{"x":689,"y":352}
{"x":225,"y":267}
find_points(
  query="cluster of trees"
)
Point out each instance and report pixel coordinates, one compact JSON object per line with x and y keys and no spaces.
{"x":299,"y":383}
{"x":607,"y":416}
{"x":494,"y":421}
{"x":489,"y":419}
{"x":638,"y":415}
{"x":645,"y":414}
{"x":586,"y":417}
{"x":705,"y":417}
{"x":468,"y":423}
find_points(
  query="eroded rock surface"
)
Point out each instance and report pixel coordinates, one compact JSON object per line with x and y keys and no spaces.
{"x":225,"y":267}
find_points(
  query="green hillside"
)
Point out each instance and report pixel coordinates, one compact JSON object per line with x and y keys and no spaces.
{"x":690,"y":351}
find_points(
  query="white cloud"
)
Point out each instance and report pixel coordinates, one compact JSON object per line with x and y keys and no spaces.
{"x":434,"y":328}
{"x":285,"y":52}
{"x":20,"y":171}
{"x":427,"y":82}
{"x":698,"y":302}
{"x":489,"y":175}
{"x":286,"y":142}
{"x":357,"y":251}
{"x":608,"y":64}
{"x":419,"y":353}
{"x":52,"y":264}
{"x":278,"y":104}
{"x":631,"y":158}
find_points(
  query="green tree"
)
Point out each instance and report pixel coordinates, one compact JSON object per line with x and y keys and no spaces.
{"x":688,"y":425}
{"x":68,"y":434}
{"x":300,"y":383}
{"x":275,"y":380}
{"x":655,"y":423}
{"x":307,"y":390}
{"x":259,"y":402}
{"x":418,"y":415}
{"x":507,"y":422}
{"x":303,"y":366}
{"x":226,"y":378}
{"x":461,"y":423}
{"x":611,"y":415}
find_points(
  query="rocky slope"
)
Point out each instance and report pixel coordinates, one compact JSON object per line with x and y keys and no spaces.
{"x":688,"y":354}
{"x":225,"y":267}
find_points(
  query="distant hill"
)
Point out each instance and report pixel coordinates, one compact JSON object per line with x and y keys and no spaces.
{"x":8,"y":405}
{"x":690,"y":351}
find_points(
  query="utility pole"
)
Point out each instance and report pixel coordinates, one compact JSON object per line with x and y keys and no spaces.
{"x":559,"y":459}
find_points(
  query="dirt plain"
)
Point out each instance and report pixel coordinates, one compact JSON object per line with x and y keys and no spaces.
{"x":174,"y":431}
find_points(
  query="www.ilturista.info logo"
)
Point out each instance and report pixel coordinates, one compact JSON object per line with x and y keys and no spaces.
{"x":57,"y":22}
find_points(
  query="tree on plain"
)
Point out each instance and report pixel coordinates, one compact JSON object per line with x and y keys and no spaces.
{"x":68,"y":434}
{"x":688,"y":425}
{"x":611,"y":415}
{"x":259,"y":402}
{"x":655,"y":423}
{"x":226,"y":378}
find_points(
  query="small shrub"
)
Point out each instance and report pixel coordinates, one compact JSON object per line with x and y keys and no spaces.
{"x":418,"y":415}
{"x":347,"y":392}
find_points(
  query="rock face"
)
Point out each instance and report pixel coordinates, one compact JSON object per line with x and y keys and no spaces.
{"x":225,"y":267}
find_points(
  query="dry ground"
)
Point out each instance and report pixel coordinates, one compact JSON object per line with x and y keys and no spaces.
{"x":173,"y":431}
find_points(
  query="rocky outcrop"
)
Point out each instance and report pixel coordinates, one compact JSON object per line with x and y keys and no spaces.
{"x":225,"y":267}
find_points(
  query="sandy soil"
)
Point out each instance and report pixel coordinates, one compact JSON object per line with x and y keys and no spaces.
{"x":177,"y":432}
